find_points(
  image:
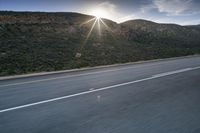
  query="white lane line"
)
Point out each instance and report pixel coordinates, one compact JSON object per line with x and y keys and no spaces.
{"x":172,"y":72}
{"x":63,"y":77}
{"x":100,"y":89}
{"x":175,"y":72}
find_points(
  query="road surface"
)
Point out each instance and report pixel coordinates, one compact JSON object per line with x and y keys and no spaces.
{"x":153,"y":97}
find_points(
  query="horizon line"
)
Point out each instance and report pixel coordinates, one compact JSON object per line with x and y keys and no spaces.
{"x":20,"y":11}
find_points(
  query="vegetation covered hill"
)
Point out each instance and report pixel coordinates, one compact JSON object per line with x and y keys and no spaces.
{"x":36,"y":41}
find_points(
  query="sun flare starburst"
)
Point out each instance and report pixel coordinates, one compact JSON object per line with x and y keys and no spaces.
{"x":98,"y":22}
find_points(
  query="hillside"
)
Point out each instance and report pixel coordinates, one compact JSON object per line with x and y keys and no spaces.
{"x":36,"y":41}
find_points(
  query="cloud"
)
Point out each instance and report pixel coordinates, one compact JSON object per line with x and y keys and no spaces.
{"x":162,"y":11}
{"x":108,"y":10}
{"x":147,"y":8}
{"x":176,"y":7}
{"x":110,"y":7}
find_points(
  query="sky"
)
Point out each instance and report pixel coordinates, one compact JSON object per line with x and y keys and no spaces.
{"x":183,"y":12}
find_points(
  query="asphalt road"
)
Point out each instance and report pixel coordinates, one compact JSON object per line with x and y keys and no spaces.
{"x":154,"y":97}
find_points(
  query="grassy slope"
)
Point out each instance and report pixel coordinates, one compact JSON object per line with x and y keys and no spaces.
{"x":35,"y":42}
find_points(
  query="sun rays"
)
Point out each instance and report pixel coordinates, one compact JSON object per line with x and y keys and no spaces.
{"x":96,"y":23}
{"x":99,"y":26}
{"x":93,"y":25}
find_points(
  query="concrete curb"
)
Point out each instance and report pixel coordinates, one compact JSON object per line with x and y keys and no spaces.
{"x":91,"y":68}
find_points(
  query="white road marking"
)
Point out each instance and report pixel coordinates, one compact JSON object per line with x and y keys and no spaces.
{"x":91,"y":89}
{"x":63,"y":77}
{"x":100,"y":89}
{"x":172,"y":72}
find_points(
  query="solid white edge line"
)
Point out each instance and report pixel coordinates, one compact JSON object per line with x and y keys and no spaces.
{"x":172,"y":72}
{"x":100,"y":89}
{"x":96,"y":67}
{"x":68,"y":76}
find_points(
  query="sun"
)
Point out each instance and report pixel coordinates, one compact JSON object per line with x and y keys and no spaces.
{"x":99,"y":13}
{"x":97,"y":21}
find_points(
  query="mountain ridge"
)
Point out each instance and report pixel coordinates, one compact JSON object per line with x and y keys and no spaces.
{"x":77,"y":13}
